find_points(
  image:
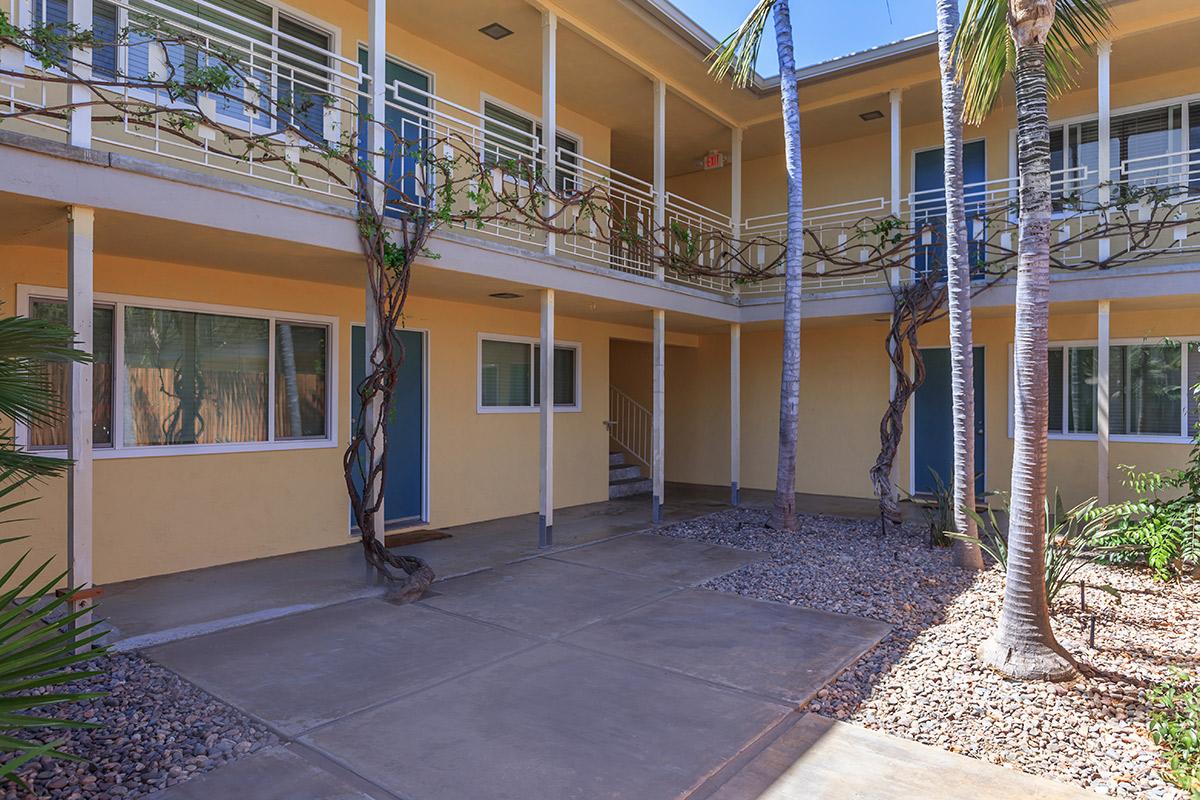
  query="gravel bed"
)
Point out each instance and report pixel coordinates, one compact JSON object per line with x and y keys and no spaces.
{"x":923,"y":681}
{"x":156,"y":730}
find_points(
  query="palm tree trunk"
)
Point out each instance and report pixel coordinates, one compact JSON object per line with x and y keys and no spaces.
{"x":784,"y":515}
{"x":1023,"y":645}
{"x":958,"y":277}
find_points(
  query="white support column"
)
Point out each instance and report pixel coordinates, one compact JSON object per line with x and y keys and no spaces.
{"x":1102,"y":397}
{"x":546,"y":417}
{"x":376,"y":142}
{"x":896,"y":207}
{"x":660,"y":166}
{"x":735,"y":412}
{"x":377,"y":70}
{"x":1104,"y":123}
{"x":735,"y":190}
{"x":550,"y":109}
{"x":658,"y":412}
{"x":79,"y":125}
{"x":80,"y":239}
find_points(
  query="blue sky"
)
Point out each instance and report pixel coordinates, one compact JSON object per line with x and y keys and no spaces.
{"x":823,"y":30}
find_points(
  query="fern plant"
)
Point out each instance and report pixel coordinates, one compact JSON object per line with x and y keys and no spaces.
{"x":1161,"y":528}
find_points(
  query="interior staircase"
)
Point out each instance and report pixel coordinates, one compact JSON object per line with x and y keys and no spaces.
{"x":625,"y":479}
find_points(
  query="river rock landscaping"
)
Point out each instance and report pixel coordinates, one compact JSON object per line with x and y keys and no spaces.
{"x":923,"y":681}
{"x":156,"y":730}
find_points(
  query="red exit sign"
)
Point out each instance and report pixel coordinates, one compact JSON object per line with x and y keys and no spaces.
{"x":714,"y":159}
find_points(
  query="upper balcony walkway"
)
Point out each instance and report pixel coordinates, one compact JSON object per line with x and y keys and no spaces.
{"x":294,"y":88}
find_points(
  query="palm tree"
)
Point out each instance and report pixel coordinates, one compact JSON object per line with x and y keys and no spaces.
{"x":1035,"y":39}
{"x":958,"y":278}
{"x":737,"y":55}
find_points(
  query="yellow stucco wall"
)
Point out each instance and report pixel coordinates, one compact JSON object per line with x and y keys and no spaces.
{"x":843,"y":389}
{"x":167,"y":513}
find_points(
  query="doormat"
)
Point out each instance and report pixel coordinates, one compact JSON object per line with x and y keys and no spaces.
{"x":413,"y":537}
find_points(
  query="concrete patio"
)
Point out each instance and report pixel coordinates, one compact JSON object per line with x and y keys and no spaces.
{"x":595,"y":670}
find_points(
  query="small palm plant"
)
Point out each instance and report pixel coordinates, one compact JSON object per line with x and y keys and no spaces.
{"x":40,"y":641}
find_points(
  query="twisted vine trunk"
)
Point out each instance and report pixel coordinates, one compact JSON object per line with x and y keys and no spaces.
{"x":365,"y":462}
{"x":1023,"y":645}
{"x":916,"y":303}
{"x":784,"y":514}
{"x":958,"y":282}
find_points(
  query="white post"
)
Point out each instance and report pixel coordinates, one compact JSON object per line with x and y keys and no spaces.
{"x":895,"y":166}
{"x":546,"y":417}
{"x":735,"y":412}
{"x":1104,"y":123}
{"x":550,"y":110}
{"x":660,"y":169}
{"x":658,"y":411}
{"x":79,"y":125}
{"x":377,"y":71}
{"x":893,"y":379}
{"x":735,"y":192}
{"x":1102,"y":381}
{"x":80,"y":238}
{"x":376,"y":142}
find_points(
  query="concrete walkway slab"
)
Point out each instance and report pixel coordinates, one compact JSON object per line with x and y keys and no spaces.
{"x":277,"y":773}
{"x":552,"y":723}
{"x":544,"y":597}
{"x":663,"y":558}
{"x":302,"y":671}
{"x":779,"y":651}
{"x":819,"y":757}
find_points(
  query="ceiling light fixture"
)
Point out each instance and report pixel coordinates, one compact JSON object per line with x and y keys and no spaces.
{"x":495,"y":30}
{"x":504,"y":295}
{"x":867,"y":116}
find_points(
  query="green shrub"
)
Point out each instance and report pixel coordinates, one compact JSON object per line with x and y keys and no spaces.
{"x":40,"y":641}
{"x":1175,"y":727}
{"x":1161,"y":528}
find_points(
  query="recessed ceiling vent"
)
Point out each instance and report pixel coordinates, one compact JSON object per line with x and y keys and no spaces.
{"x":495,"y":30}
{"x":867,"y":116}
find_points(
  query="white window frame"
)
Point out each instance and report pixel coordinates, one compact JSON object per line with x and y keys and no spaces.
{"x":1065,"y":122}
{"x":148,"y":95}
{"x":536,"y":119}
{"x":119,"y":302}
{"x":535,"y":406}
{"x":1163,"y":438}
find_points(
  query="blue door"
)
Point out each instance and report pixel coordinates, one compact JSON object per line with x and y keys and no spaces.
{"x":933,"y":423}
{"x":929,"y":202}
{"x":404,"y":473}
{"x":408,"y":129}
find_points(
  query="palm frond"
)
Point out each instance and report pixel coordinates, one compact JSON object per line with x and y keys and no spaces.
{"x":985,"y":53}
{"x":737,"y":54}
{"x":26,"y":345}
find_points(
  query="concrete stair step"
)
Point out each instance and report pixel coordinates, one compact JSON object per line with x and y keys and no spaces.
{"x":616,"y":459}
{"x":620,"y":473}
{"x":629,"y":487}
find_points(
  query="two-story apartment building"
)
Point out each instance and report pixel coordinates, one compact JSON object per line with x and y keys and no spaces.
{"x":227,"y":298}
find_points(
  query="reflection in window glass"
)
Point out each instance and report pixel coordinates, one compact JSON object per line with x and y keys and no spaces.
{"x":54,"y":433}
{"x":1081,"y":413}
{"x":1145,"y":387}
{"x":506,"y":375}
{"x":194,"y":378}
{"x":300,"y":375}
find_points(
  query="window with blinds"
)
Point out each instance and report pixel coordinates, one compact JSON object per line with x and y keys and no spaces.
{"x":510,"y":136}
{"x":1148,"y":385}
{"x":1144,"y":142}
{"x":510,"y":375}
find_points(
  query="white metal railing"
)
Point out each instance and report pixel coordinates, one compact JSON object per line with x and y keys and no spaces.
{"x":617,"y":233}
{"x":632,"y":424}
